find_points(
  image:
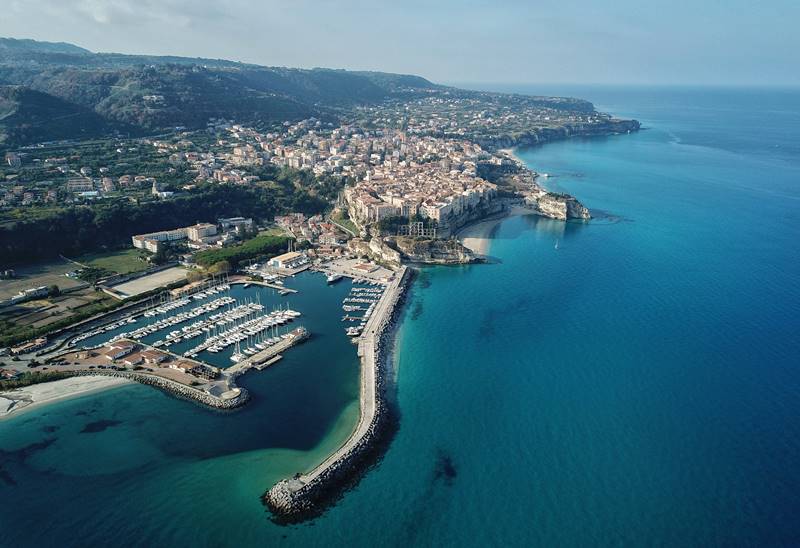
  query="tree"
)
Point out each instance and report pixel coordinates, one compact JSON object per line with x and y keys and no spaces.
{"x":54,"y":290}
{"x":194,"y":276}
{"x":220,"y":267}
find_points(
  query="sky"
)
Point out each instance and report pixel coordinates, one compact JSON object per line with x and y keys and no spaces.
{"x":680,"y":42}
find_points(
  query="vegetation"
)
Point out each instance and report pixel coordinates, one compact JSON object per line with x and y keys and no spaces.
{"x":135,"y":94}
{"x":256,"y":248}
{"x":76,"y":230}
{"x":341,"y":217}
{"x":33,"y":377}
{"x":120,"y":262}
{"x":28,"y":116}
{"x":91,"y":274}
{"x":12,"y":333}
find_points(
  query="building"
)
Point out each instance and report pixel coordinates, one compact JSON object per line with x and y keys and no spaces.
{"x":292,"y":259}
{"x":9,"y":375}
{"x":28,"y":294}
{"x":240,"y":224}
{"x":80,"y":184}
{"x":197,"y":232}
{"x":119,"y":350}
{"x":153,"y":357}
{"x":153,"y":241}
{"x":13,"y":159}
{"x":29,"y":346}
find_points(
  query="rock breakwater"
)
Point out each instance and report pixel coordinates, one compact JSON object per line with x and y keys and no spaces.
{"x":307,"y":495}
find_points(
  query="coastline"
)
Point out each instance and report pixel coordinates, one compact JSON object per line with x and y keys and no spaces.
{"x":19,"y":400}
{"x":477,"y":236}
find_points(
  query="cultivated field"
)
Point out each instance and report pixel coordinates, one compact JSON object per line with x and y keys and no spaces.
{"x":51,"y":273}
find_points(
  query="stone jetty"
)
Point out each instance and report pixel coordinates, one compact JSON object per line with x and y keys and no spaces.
{"x":306,"y":495}
{"x":229,"y":400}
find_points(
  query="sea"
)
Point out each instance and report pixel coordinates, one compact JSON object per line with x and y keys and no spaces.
{"x":633,"y":380}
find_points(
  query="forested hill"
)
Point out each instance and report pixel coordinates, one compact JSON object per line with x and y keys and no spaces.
{"x":138,"y":94}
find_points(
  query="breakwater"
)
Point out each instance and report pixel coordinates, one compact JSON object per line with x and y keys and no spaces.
{"x":238,"y":396}
{"x":305,"y":496}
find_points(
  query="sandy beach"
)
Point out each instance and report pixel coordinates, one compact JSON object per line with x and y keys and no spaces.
{"x":16,"y":401}
{"x":477,"y":236}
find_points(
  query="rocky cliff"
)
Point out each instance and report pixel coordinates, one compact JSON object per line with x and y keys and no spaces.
{"x":558,"y":206}
{"x":540,"y":136}
{"x":432,"y":251}
{"x":376,"y":250}
{"x":393,"y":250}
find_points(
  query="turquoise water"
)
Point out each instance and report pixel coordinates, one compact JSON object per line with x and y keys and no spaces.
{"x":639,"y":385}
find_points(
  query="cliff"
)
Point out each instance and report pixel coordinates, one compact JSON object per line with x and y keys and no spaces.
{"x":393,"y":250}
{"x":432,"y":251}
{"x":540,"y":136}
{"x":376,"y":250}
{"x":558,"y":206}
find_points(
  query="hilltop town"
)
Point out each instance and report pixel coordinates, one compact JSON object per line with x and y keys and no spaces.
{"x":390,"y":179}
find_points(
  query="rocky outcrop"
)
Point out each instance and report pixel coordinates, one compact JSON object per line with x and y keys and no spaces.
{"x":557,"y":206}
{"x":376,"y":250}
{"x":393,"y":250}
{"x":432,"y":251}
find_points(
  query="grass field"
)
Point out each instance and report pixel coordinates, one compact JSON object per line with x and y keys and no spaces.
{"x":273,"y":231}
{"x":121,"y":262}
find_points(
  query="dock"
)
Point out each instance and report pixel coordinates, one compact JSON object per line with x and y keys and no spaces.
{"x":260,"y":359}
{"x":264,"y":284}
{"x":269,"y":362}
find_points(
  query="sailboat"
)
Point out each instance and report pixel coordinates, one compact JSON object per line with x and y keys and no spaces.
{"x":237,"y":356}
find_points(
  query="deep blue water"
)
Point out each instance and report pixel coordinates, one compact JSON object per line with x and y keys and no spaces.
{"x":639,"y":385}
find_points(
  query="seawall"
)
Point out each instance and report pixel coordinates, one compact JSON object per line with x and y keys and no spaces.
{"x":307,"y":495}
{"x":175,"y":388}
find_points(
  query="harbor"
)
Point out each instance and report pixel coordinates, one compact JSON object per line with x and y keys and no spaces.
{"x":306,"y":494}
{"x":200,"y":339}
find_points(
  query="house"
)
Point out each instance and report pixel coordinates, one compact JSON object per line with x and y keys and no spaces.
{"x":153,"y":357}
{"x":8,"y":375}
{"x":185,"y":366}
{"x":29,"y":346}
{"x":117,"y":351}
{"x":132,"y":359}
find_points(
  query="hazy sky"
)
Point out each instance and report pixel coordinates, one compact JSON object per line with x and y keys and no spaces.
{"x":505,"y":41}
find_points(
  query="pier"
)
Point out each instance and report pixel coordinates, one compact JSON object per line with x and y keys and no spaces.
{"x":259,"y":359}
{"x":287,"y":290}
{"x":303,"y":496}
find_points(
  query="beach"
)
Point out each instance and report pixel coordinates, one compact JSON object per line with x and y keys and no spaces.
{"x":477,"y":236}
{"x":30,"y":397}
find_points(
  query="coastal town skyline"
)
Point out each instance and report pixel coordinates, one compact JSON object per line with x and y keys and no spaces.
{"x":509,"y":42}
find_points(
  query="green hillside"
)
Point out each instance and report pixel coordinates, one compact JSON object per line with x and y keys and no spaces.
{"x":83,"y":93}
{"x":30,"y":116}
